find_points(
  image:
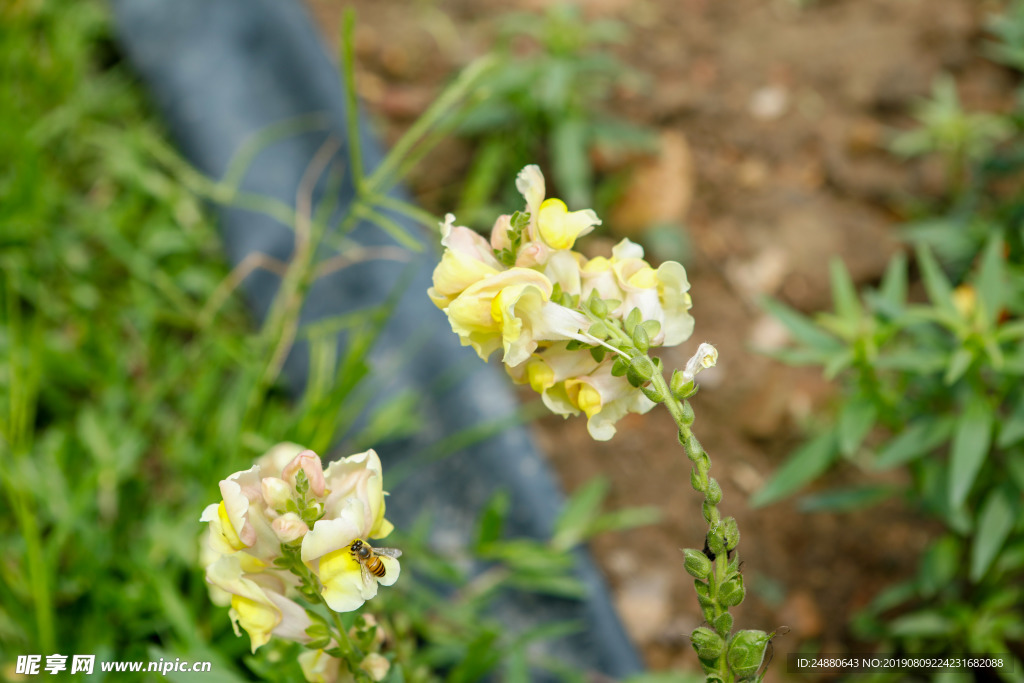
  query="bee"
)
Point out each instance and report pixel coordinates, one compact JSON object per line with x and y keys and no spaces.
{"x":374,"y":562}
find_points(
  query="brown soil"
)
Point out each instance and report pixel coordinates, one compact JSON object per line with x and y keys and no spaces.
{"x":775,"y":115}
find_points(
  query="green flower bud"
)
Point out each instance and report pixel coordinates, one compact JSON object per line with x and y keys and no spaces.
{"x":619,"y":366}
{"x":707,"y":643}
{"x":693,"y":447}
{"x":712,"y":516}
{"x":715,"y":542}
{"x":714,"y":492}
{"x":652,"y":327}
{"x":640,"y":338}
{"x":731,"y":531}
{"x":640,"y":371}
{"x":632,"y":320}
{"x":703,"y":591}
{"x":680,"y":385}
{"x":697,"y":481}
{"x":597,"y":305}
{"x":688,"y":415}
{"x":723,"y":624}
{"x":598,"y":330}
{"x":696,"y":563}
{"x":652,"y":392}
{"x":732,"y":592}
{"x":746,"y":652}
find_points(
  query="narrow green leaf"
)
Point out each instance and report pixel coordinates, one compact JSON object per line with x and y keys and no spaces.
{"x":998,"y":514}
{"x":940,"y":564}
{"x":844,"y":293}
{"x":855,"y":420}
{"x":971,"y":441}
{"x":919,"y":624}
{"x":921,"y":437}
{"x":846,"y":499}
{"x":806,"y":463}
{"x":801,"y":327}
{"x":940,"y":292}
{"x":990,"y":280}
{"x":579,"y":512}
{"x":1011,"y":429}
{"x":894,"y":284}
{"x":491,"y":523}
{"x":958,"y":364}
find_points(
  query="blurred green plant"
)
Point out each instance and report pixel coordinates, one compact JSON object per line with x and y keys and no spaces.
{"x":935,"y":387}
{"x":131,"y":380}
{"x":543,"y":103}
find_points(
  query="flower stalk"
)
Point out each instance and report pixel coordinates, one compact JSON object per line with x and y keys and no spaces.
{"x":579,"y":331}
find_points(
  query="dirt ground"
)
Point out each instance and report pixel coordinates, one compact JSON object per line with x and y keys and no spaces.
{"x":774,"y":116}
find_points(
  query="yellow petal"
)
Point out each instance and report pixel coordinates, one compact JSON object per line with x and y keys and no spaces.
{"x":559,"y":228}
{"x":257,"y":618}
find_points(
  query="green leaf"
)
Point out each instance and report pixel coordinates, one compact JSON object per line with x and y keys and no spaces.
{"x":958,"y":364}
{"x":1011,"y":430}
{"x":990,"y":280}
{"x":571,"y":164}
{"x":940,"y":564}
{"x":579,"y":512}
{"x":491,"y":524}
{"x":922,"y":624}
{"x":998,"y":514}
{"x":855,"y":421}
{"x":806,"y":463}
{"x":894,"y":284}
{"x":846,"y":499}
{"x":971,"y":441}
{"x":921,"y":437}
{"x":940,"y":292}
{"x":801,"y":327}
{"x":844,"y":294}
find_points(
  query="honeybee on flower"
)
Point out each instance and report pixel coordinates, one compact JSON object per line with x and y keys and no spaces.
{"x":287,"y":520}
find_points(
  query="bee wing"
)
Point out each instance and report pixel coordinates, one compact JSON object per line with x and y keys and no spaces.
{"x":388,"y":552}
{"x":369,"y":582}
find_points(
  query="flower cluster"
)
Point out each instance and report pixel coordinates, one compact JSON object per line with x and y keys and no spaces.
{"x":529,"y":294}
{"x":287,"y":526}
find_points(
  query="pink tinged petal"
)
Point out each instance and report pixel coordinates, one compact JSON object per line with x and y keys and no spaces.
{"x":289,"y":527}
{"x":294,"y":620}
{"x":467,"y":242}
{"x":499,"y":233}
{"x":328,"y":536}
{"x":273,"y":462}
{"x":308,"y":462}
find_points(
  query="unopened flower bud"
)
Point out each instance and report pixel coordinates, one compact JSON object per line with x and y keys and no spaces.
{"x":713,"y":494}
{"x":723,"y":624}
{"x":707,"y":643}
{"x":640,"y":339}
{"x":376,"y":665}
{"x":731,"y":532}
{"x":696,"y":563}
{"x":289,"y":527}
{"x":687,"y":411}
{"x":732,"y":592}
{"x":640,"y":371}
{"x":715,"y":542}
{"x":652,"y":392}
{"x":619,"y":366}
{"x":276,"y":492}
{"x":746,"y":652}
